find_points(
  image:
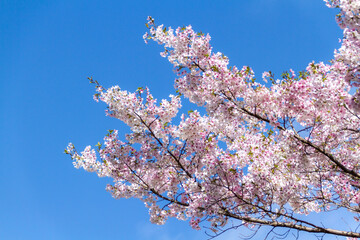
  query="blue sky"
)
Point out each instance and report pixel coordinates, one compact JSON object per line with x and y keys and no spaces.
{"x":47,"y":51}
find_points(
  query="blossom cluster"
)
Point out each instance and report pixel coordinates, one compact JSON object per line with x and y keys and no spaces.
{"x":259,"y":152}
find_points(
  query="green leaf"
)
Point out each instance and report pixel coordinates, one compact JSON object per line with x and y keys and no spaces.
{"x":270,"y":132}
{"x":232,"y":170}
{"x":98,"y":145}
{"x":215,"y":69}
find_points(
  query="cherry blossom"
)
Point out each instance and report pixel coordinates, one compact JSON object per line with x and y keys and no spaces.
{"x":260,"y":154}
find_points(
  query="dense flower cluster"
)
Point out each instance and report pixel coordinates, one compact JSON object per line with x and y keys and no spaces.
{"x":260,"y":154}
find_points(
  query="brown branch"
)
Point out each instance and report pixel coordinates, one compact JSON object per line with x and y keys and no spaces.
{"x":301,"y":139}
{"x":312,"y":229}
{"x":316,"y":229}
{"x":162,"y":145}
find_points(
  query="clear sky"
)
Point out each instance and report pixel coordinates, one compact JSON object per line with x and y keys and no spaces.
{"x":47,"y":51}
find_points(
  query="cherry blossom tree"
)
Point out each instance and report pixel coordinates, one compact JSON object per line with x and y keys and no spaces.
{"x":261,"y":154}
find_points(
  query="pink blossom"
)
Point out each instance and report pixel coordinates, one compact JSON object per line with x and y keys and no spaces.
{"x":260,"y":154}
